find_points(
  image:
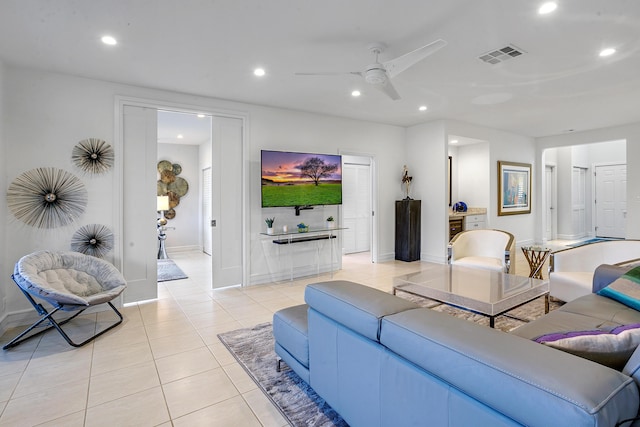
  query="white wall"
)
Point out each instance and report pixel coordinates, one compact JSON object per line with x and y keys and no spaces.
{"x":427,"y":154}
{"x":186,"y":234}
{"x":275,"y":129}
{"x":503,"y":146}
{"x":474,"y":175}
{"x":3,"y":204}
{"x":46,"y":114}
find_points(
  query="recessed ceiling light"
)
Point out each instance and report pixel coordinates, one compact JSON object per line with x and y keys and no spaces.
{"x":201,"y":116}
{"x":355,"y":93}
{"x":607,"y":52}
{"x":454,"y":141}
{"x":111,"y":41}
{"x":180,"y":136}
{"x":423,"y":108}
{"x":259,"y":72}
{"x":547,"y":7}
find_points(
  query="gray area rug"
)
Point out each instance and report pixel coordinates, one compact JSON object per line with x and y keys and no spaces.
{"x":299,"y":403}
{"x":168,"y":270}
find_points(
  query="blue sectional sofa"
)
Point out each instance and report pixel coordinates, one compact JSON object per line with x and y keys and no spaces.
{"x":379,"y":360}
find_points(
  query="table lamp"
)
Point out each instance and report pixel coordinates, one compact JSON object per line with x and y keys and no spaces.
{"x":162,"y":205}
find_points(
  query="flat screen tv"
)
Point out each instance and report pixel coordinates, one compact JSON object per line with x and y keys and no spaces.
{"x":300,"y":179}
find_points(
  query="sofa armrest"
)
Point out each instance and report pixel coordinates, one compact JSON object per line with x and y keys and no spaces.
{"x":605,"y":274}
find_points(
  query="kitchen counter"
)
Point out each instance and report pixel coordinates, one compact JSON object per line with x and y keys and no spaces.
{"x":470,"y":211}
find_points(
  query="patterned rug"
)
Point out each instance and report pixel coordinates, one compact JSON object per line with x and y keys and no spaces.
{"x":168,"y":270}
{"x":299,"y":403}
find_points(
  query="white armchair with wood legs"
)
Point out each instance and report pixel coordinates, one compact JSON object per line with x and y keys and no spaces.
{"x":487,"y":249}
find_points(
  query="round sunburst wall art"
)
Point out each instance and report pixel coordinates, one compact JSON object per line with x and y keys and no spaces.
{"x":93,"y":155}
{"x":93,"y":239}
{"x":47,"y":197}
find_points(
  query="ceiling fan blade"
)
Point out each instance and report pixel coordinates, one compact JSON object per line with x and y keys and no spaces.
{"x":357,"y":73}
{"x":388,"y":88}
{"x":401,"y":63}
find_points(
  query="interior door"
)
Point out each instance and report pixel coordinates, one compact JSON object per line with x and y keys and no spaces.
{"x":550,"y":197}
{"x":227,"y":201}
{"x":140,"y":236}
{"x":206,"y":211}
{"x":611,"y":200}
{"x":356,"y":204}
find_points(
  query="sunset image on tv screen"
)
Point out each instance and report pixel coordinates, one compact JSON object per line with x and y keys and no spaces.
{"x":301,"y":179}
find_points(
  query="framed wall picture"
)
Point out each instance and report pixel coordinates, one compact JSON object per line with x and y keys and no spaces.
{"x":514,"y":188}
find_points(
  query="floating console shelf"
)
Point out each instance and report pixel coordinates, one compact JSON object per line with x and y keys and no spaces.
{"x":304,"y":239}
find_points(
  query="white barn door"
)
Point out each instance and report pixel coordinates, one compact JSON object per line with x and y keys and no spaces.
{"x":140,"y":236}
{"x":227,"y":201}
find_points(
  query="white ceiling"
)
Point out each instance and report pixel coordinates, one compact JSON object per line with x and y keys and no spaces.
{"x":210,"y":48}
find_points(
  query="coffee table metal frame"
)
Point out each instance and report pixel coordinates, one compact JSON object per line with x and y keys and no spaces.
{"x":484,"y":292}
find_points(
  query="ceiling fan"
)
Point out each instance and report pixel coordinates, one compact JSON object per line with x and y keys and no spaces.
{"x":380,"y":74}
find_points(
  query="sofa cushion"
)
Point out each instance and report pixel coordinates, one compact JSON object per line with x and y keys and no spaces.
{"x":611,"y":348}
{"x":488,"y":263}
{"x":290,"y":330}
{"x":625,"y":289}
{"x":358,"y":307}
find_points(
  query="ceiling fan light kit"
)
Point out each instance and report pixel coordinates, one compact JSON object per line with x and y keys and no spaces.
{"x":380,"y":74}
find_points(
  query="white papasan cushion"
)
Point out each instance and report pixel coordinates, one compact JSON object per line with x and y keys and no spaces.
{"x":69,"y":277}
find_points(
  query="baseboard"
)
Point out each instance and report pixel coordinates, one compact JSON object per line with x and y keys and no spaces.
{"x":298,"y":273}
{"x":527,"y":242}
{"x":193,"y":248}
{"x":434,"y":259}
{"x":389,"y":256}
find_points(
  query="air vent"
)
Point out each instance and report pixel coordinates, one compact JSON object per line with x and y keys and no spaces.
{"x":500,"y":55}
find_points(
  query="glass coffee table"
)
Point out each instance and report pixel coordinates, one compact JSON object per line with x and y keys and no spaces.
{"x":485,"y":292}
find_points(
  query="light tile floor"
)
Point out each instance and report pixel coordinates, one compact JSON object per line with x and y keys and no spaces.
{"x":164,"y":366}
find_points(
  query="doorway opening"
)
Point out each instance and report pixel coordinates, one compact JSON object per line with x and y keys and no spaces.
{"x":358,"y":206}
{"x":200,"y":142}
{"x":584,"y":192}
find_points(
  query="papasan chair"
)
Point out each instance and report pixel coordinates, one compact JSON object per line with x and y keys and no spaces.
{"x":69,"y":281}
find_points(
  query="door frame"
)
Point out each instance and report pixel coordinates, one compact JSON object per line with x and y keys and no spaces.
{"x":118,"y":184}
{"x":373,"y":231}
{"x":554,"y":201}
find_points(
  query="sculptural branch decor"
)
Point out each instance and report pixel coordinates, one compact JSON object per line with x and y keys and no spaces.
{"x":47,"y":197}
{"x":93,"y":239}
{"x":93,"y":155}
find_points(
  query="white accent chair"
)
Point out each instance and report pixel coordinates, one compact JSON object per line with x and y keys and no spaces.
{"x":487,"y":249}
{"x":571,"y":270}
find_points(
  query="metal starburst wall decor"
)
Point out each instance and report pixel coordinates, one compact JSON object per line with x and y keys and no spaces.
{"x":47,"y":197}
{"x":93,"y":155}
{"x":93,"y":239}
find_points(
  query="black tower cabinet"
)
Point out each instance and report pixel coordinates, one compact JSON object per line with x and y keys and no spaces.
{"x":408,"y":230}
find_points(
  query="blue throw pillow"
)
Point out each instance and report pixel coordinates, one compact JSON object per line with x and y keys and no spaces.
{"x":625,"y":289}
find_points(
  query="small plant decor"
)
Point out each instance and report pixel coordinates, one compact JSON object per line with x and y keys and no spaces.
{"x":269,"y":222}
{"x":303,"y":228}
{"x":330,"y":219}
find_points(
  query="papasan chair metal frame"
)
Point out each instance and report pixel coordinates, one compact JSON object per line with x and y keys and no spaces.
{"x":69,"y":281}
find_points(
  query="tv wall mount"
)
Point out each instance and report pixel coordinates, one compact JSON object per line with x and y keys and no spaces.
{"x":302,"y":208}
